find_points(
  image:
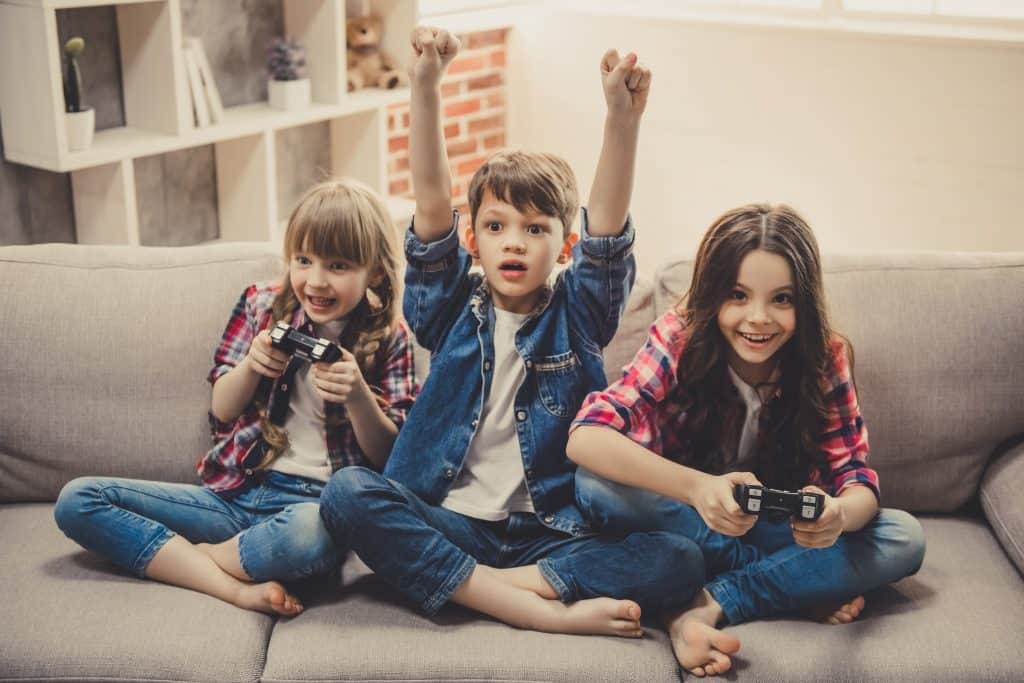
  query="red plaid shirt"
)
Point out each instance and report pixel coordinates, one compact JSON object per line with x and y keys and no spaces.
{"x":239,"y":445}
{"x":646,"y":406}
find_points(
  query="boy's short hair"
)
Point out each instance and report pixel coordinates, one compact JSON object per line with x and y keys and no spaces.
{"x":528,"y":180}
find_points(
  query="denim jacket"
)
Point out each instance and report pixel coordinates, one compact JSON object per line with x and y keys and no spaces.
{"x":452,"y":315}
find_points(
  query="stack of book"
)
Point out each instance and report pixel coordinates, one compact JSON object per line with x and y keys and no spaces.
{"x":206,"y":103}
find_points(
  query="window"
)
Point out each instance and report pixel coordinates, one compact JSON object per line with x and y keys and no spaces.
{"x":985,"y":9}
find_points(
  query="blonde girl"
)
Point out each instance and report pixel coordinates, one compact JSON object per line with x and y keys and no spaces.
{"x":281,"y":426}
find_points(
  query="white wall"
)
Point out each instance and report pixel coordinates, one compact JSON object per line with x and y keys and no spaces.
{"x":882,"y":142}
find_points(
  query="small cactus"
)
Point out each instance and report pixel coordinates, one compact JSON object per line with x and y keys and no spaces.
{"x":286,"y":60}
{"x":73,"y":101}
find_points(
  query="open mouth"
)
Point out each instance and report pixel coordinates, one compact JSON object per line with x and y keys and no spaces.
{"x":514,"y":266}
{"x":320,"y":301}
{"x":757,"y":339}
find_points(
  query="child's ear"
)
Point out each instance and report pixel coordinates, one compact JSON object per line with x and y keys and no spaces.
{"x":567,"y":246}
{"x":471,"y":245}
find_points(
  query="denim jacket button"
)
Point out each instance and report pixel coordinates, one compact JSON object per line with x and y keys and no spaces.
{"x":521,"y":415}
{"x":548,"y":519}
{"x":474,"y":423}
{"x":284,"y":387}
{"x":449,"y":473}
{"x":529,"y":364}
{"x":487,"y":365}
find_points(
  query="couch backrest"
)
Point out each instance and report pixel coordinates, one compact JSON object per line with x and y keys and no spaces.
{"x":105,"y":358}
{"x":107,"y":349}
{"x":939,"y":352}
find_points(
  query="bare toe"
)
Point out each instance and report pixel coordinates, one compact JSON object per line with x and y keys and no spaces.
{"x":702,"y":649}
{"x":627,"y":609}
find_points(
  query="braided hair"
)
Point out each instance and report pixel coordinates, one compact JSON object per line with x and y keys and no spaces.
{"x":341,"y":218}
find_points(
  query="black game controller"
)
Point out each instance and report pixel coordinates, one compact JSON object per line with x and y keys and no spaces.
{"x":290,"y":340}
{"x":755,"y":500}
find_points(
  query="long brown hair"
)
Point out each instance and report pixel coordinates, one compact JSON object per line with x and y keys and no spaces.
{"x":789,"y":450}
{"x":342,"y":218}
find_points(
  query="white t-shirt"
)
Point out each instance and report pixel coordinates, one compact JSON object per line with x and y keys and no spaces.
{"x":306,"y":455}
{"x":748,"y":433}
{"x":492,"y":483}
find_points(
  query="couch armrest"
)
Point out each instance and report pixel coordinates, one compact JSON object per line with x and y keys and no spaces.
{"x":1001,"y":490}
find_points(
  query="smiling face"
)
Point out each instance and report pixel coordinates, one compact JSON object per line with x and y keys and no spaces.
{"x":759,"y":316}
{"x":516,"y":250}
{"x":327,"y":288}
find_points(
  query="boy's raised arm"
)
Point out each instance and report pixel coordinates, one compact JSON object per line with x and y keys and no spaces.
{"x":433,"y":49}
{"x":626,"y":85}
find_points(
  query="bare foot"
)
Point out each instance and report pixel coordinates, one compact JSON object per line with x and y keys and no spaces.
{"x":598,"y":616}
{"x":269,"y":597}
{"x":844,"y":614}
{"x":702,"y":649}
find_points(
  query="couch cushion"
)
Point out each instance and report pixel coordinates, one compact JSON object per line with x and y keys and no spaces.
{"x":108,"y":375}
{"x":633,"y":328}
{"x":958,"y":619}
{"x":364,"y":633}
{"x":1001,"y":499}
{"x":67,"y":615}
{"x":938,"y":339}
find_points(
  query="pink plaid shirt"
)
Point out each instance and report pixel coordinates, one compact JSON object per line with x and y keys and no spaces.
{"x":238,"y":446}
{"x":645,"y":405}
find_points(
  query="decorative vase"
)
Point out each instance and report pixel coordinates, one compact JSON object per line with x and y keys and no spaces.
{"x":80,"y":127}
{"x":287,"y":95}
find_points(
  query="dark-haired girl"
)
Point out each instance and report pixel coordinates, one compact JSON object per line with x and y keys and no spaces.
{"x":744,"y":381}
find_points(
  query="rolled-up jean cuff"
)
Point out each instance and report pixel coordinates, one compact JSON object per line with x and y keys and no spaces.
{"x":552,"y":577}
{"x":725,"y":600}
{"x":151,"y":549}
{"x":442,"y":595}
{"x":246,"y":567}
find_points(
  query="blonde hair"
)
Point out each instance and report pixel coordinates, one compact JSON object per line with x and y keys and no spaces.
{"x":342,"y":218}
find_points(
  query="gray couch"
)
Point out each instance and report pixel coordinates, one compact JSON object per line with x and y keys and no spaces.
{"x":105,"y":354}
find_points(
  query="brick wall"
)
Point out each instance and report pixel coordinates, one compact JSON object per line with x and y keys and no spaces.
{"x":473,"y":101}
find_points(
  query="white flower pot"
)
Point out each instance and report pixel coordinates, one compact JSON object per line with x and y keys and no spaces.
{"x":80,"y":127}
{"x":288,"y":95}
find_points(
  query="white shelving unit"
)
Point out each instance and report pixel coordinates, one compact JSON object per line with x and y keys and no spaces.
{"x":158,"y":116}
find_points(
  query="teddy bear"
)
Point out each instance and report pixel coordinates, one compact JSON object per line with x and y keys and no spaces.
{"x":368,"y":65}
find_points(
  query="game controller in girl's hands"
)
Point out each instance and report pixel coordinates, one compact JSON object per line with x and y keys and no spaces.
{"x":755,"y":500}
{"x":290,"y":340}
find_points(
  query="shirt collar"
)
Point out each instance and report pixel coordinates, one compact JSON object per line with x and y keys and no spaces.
{"x":750,"y":395}
{"x":483,"y":295}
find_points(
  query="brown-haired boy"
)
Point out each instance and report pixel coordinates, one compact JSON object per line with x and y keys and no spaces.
{"x":476,"y":502}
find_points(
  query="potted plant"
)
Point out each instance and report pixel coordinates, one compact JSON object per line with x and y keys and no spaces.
{"x":80,"y":119}
{"x":288,"y":87}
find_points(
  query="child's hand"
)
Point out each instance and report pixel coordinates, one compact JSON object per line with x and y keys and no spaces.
{"x":264,"y":359}
{"x":716,"y":505}
{"x":433,"y":49}
{"x":824,"y":531}
{"x":340,"y":382}
{"x":625,"y":82}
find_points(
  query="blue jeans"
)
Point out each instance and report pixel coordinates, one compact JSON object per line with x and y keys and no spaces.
{"x":765,"y":572}
{"x":129,"y":520}
{"x":426,"y":552}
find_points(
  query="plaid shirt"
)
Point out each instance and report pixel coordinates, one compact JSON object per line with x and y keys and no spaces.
{"x":239,"y":446}
{"x":646,"y":406}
